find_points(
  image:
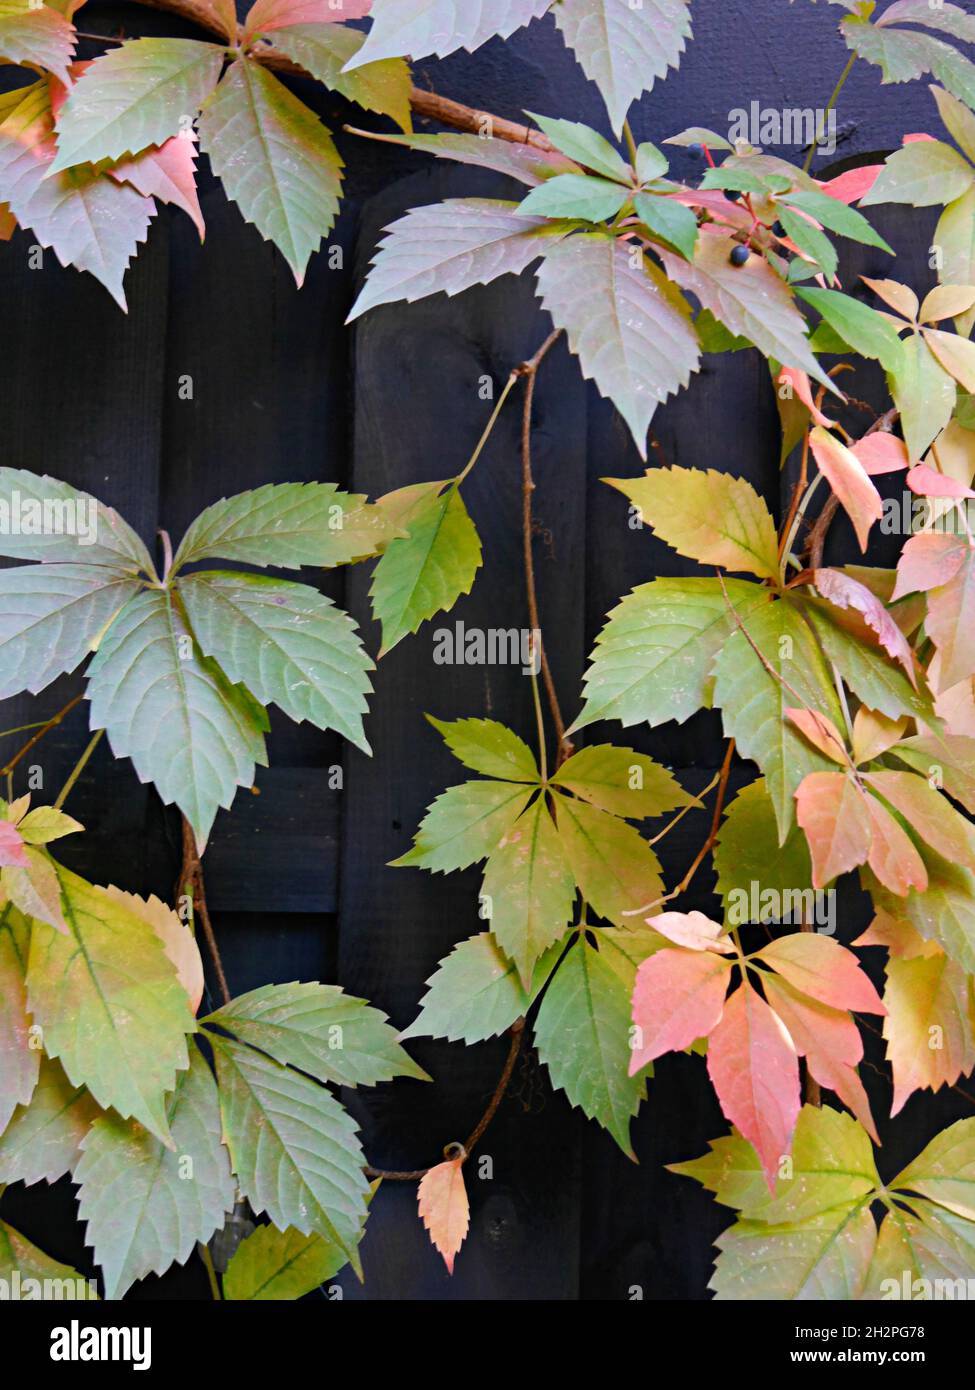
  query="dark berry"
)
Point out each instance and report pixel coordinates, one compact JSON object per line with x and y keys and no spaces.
{"x":778,"y":229}
{"x":739,"y":256}
{"x":696,"y":151}
{"x":732,"y":195}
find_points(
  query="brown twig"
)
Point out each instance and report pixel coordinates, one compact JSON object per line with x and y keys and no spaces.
{"x":426,"y":104}
{"x":517,"y":1031}
{"x":529,"y":370}
{"x":191,"y":881}
{"x":42,"y":731}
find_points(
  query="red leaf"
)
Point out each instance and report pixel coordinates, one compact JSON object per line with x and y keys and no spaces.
{"x":928,"y":561}
{"x":829,"y":807}
{"x":692,"y":930}
{"x":893,"y":856}
{"x":167,"y":173}
{"x":677,"y":998}
{"x":830,"y":1042}
{"x":12,"y":850}
{"x":754,"y":1068}
{"x":799,"y":382}
{"x":881,"y":453}
{"x":854,"y":184}
{"x":846,"y":592}
{"x":821,"y":732}
{"x":928,"y":482}
{"x":849,"y":480}
{"x":930,"y":813}
{"x":267,"y":15}
{"x":823,"y":969}
{"x":444,"y":1208}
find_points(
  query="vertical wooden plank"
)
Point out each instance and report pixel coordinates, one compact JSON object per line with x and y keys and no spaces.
{"x":418,"y":416}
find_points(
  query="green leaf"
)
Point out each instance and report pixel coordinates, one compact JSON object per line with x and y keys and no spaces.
{"x":904,"y":54}
{"x":832,"y":1165}
{"x":287,"y":643}
{"x":488,"y":747}
{"x":753,"y":698}
{"x":623,"y":782}
{"x":945,"y":912}
{"x":324,"y":49}
{"x":615,"y":868}
{"x":18,"y":1256}
{"x":668,"y":221}
{"x":450,"y":246}
{"x":867,"y":670}
{"x":425,"y":27}
{"x":751,"y":301}
{"x":276,"y":160}
{"x":137,"y":94}
{"x":287,"y":525}
{"x":575,"y":196}
{"x":293,"y":1148}
{"x":924,"y":394}
{"x":651,"y":162}
{"x":321,"y":1030}
{"x":586,"y":146}
{"x":945,"y":1170}
{"x":475,"y":992}
{"x":860,"y":327}
{"x":464,"y":825}
{"x":916,"y":1248}
{"x":810,"y":240}
{"x":146,"y":1207}
{"x":653,"y":660}
{"x":712,"y":517}
{"x":959,"y":121}
{"x":955,"y":234}
{"x":35,"y":34}
{"x":186,"y":729}
{"x":582,"y":1034}
{"x":51,"y":616}
{"x":528,"y":892}
{"x":923,"y":173}
{"x":45,"y":824}
{"x":623,"y":48}
{"x":19,"y":1059}
{"x":748,"y":851}
{"x":427,"y":571}
{"x":113,"y":542}
{"x":825,"y":1258}
{"x":43,"y":1140}
{"x":110,"y":1004}
{"x":90,"y":220}
{"x":280,"y":1265}
{"x":838,"y":217}
{"x":632,"y":330}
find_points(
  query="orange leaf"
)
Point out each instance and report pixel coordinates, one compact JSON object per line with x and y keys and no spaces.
{"x":854,"y":184}
{"x":823,"y":970}
{"x":799,"y":382}
{"x":893,"y":856}
{"x":678,"y":997}
{"x":930,"y":813}
{"x":829,"y":807}
{"x":929,"y":1024}
{"x":850,"y":481}
{"x":874,"y":733}
{"x":821,"y":732}
{"x":754,"y":1067}
{"x":444,"y":1208}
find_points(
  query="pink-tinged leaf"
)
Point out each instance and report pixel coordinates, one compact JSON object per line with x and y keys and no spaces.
{"x":929,"y":812}
{"x":821,"y":732}
{"x":754,"y":1068}
{"x":844,"y":591}
{"x":678,"y":997}
{"x":177,"y":939}
{"x":802,"y":388}
{"x":35,"y":890}
{"x":12,"y":849}
{"x":830,"y":1042}
{"x":267,"y":15}
{"x":928,"y":561}
{"x":898,"y":296}
{"x":893,"y":856}
{"x":829,"y":808}
{"x":854,"y":184}
{"x":929,"y":1024}
{"x":223,"y":13}
{"x":693,"y":930}
{"x":37,"y":35}
{"x":881,"y":453}
{"x":444,"y":1208}
{"x":849,"y":480}
{"x":722,"y":209}
{"x":955,"y":354}
{"x":955,"y":706}
{"x":167,"y":173}
{"x":928,"y":482}
{"x":951,"y":623}
{"x":897,"y":936}
{"x":824,"y":970}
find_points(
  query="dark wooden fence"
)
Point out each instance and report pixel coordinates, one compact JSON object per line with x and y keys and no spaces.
{"x":296,"y":873}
